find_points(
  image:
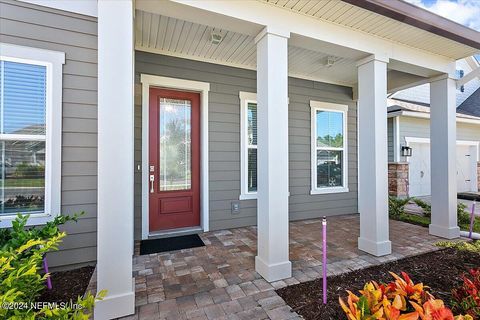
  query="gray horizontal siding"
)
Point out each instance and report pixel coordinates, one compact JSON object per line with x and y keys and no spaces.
{"x":224,"y":140}
{"x":35,"y":26}
{"x":390,"y":139}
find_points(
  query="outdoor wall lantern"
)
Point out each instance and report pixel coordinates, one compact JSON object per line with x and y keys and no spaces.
{"x":406,"y":151}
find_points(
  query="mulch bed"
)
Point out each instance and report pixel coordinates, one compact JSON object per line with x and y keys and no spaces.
{"x":67,"y":285}
{"x":440,"y":270}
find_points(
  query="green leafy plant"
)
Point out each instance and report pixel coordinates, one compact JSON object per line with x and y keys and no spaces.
{"x":21,"y":279}
{"x":462,"y":215}
{"x":466,"y":298}
{"x":426,"y":207}
{"x":471,"y":246}
{"x":396,"y":206}
{"x":400,"y":299}
{"x":397,"y":212}
{"x":19,"y":234}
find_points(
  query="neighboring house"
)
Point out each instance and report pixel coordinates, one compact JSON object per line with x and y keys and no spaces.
{"x":162,"y":118}
{"x":409,"y":125}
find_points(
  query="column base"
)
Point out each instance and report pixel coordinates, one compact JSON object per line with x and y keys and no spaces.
{"x":444,"y":232}
{"x":112,"y":307}
{"x":377,"y":249}
{"x":273,"y":272}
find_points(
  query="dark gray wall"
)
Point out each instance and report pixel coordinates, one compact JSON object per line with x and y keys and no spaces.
{"x":224,"y":140}
{"x":76,"y":35}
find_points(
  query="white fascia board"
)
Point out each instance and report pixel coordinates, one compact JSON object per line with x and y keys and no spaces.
{"x":420,"y":115}
{"x":85,"y":7}
{"x":268,"y":15}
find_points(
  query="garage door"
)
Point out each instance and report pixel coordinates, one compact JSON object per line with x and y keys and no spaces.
{"x":464,"y":175}
{"x":419,"y":169}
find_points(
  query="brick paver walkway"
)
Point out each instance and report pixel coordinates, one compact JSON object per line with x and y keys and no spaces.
{"x":219,"y":281}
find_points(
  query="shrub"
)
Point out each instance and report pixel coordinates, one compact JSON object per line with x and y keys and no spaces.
{"x":426,"y":208}
{"x":471,"y":246}
{"x":21,"y":281}
{"x":466,"y":298}
{"x":29,"y":171}
{"x":401,"y":299}
{"x":462,"y":215}
{"x":19,"y":234}
{"x":396,"y":206}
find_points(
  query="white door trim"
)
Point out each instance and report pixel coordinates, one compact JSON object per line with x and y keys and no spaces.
{"x":473,"y":162}
{"x":203,"y":88}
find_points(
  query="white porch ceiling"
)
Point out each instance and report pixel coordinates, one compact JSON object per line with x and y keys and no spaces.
{"x":175,"y":37}
{"x":360,"y":19}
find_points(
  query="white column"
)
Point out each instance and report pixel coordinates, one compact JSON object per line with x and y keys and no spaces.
{"x":443,"y":158}
{"x":115,"y":158}
{"x":372,"y":157}
{"x":272,"y":261}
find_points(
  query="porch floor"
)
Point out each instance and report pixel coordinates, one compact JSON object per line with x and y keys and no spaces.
{"x":219,"y":281}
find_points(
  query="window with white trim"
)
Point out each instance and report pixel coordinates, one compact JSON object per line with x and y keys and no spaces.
{"x":248,"y":153}
{"x":329,"y":149}
{"x":30,"y":133}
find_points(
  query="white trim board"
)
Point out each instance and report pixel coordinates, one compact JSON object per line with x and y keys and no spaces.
{"x":335,"y":107}
{"x":422,"y":115}
{"x":245,"y":98}
{"x":396,"y":139}
{"x":203,"y":88}
{"x":53,"y":61}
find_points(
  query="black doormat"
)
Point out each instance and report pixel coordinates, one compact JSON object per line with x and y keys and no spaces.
{"x":170,"y":244}
{"x":472,"y":196}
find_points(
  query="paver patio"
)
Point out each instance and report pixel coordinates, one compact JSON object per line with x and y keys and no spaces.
{"x":219,"y":281}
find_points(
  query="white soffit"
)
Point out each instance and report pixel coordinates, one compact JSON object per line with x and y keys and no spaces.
{"x":175,"y":37}
{"x":360,"y":19}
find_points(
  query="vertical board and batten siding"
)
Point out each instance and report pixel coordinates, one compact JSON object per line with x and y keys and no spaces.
{"x":224,"y":140}
{"x":76,"y":35}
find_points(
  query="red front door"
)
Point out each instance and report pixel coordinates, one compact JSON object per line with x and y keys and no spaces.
{"x":174,"y":159}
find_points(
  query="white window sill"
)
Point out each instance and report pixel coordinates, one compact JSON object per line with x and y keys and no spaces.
{"x":34,"y":219}
{"x":329,"y":190}
{"x":248,"y":196}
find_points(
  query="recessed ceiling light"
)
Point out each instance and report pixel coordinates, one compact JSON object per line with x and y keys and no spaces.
{"x":216,"y":37}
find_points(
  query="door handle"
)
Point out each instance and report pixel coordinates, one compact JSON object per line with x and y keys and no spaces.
{"x":152,"y":183}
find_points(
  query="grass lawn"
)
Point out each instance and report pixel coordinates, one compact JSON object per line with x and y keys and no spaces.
{"x":25,"y":183}
{"x":425,"y":221}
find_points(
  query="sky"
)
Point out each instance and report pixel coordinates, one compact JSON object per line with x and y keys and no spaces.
{"x":466,"y":12}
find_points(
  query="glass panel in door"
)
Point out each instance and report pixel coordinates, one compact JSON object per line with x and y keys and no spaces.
{"x":175,"y":151}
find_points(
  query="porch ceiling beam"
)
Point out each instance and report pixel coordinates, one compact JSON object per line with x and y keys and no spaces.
{"x":267,"y":15}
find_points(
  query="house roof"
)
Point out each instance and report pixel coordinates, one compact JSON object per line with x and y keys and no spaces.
{"x":395,"y":105}
{"x":394,"y":20}
{"x":423,"y":19}
{"x":471,"y":105}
